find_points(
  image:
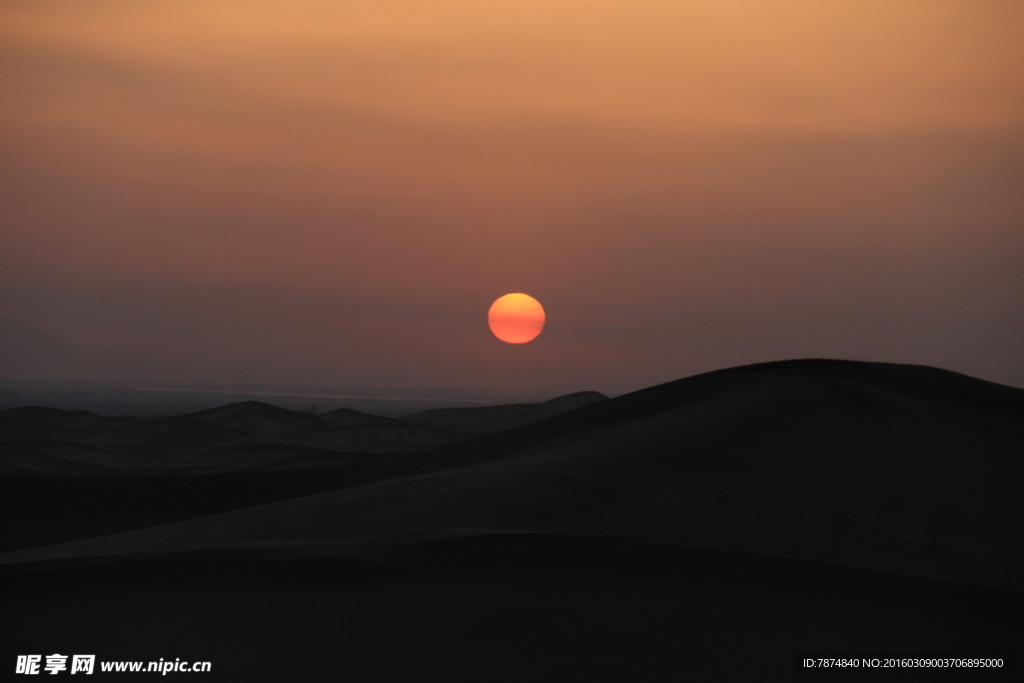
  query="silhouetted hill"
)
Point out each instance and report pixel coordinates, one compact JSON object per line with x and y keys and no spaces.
{"x":256,"y":417}
{"x":815,"y":458}
{"x":394,"y":436}
{"x":346,"y":417}
{"x":744,"y":515}
{"x":176,"y":431}
{"x":493,"y":418}
{"x":81,"y":420}
{"x":841,"y":381}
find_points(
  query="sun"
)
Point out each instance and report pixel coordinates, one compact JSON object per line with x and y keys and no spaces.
{"x":516,"y":318}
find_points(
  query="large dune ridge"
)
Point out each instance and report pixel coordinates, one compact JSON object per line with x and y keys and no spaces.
{"x":769,"y":509}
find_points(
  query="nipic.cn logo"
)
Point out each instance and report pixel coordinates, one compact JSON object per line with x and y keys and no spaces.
{"x":33,"y":665}
{"x":55,"y":663}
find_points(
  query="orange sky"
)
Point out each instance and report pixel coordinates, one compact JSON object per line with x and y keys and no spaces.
{"x":321,"y":191}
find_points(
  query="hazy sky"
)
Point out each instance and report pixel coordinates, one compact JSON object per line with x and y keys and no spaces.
{"x":335,"y":192}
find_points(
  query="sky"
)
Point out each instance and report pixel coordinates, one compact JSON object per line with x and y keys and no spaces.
{"x":333,"y":192}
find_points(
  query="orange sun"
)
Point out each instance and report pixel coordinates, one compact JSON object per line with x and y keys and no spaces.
{"x":516,"y":318}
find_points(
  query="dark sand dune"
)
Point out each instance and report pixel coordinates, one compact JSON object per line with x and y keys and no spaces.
{"x":705,"y":529}
{"x":176,"y":431}
{"x":256,"y":417}
{"x":18,"y":430}
{"x":494,"y":418}
{"x":251,"y":447}
{"x":385,"y":437}
{"x":346,"y":417}
{"x":71,"y":419}
{"x":16,"y":459}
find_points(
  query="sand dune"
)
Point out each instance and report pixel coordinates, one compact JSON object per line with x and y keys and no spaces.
{"x":258,"y":418}
{"x":493,"y":418}
{"x":393,"y":437}
{"x":346,"y":417}
{"x":773,"y":486}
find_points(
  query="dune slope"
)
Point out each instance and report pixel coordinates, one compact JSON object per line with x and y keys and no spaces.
{"x":840,"y":493}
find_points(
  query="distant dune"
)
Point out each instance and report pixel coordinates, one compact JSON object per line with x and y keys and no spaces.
{"x":494,"y":418}
{"x":706,"y":529}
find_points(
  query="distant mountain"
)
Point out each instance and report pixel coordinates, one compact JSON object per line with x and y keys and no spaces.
{"x":29,"y":353}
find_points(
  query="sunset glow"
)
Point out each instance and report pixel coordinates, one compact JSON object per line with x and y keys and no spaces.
{"x":516,"y":318}
{"x":292,"y":191}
